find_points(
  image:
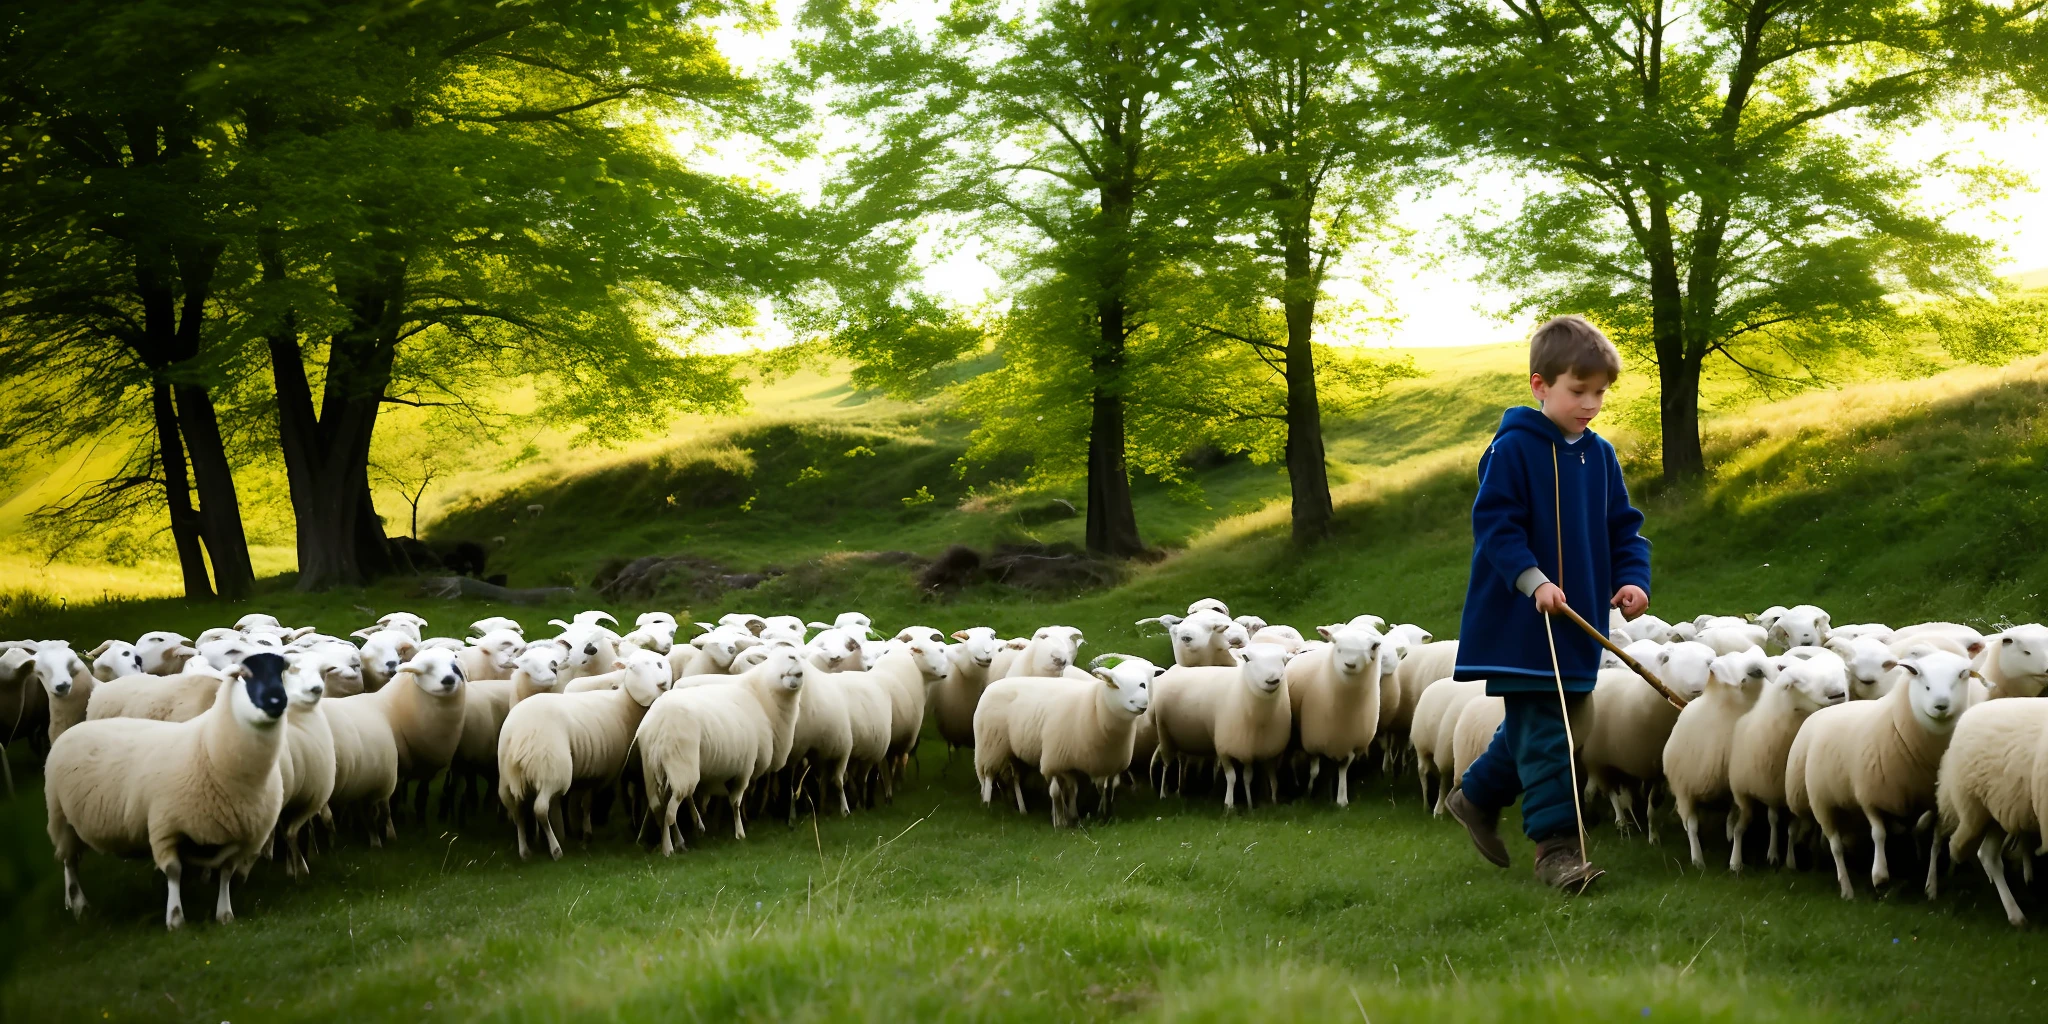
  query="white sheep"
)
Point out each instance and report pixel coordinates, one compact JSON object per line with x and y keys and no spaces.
{"x":1733,"y":639}
{"x":404,"y":622}
{"x":306,"y":764}
{"x":714,"y":740}
{"x":493,"y":655}
{"x":1808,"y":679}
{"x":403,"y":732}
{"x":2017,"y":664}
{"x":1989,"y":788}
{"x":486,"y":626}
{"x":473,"y":771}
{"x":1281,"y":636}
{"x":1064,"y":730}
{"x":164,"y":653}
{"x":1472,"y":732}
{"x":1334,"y":691}
{"x":204,"y":792}
{"x":551,"y":742}
{"x":1875,"y":630}
{"x":904,"y":673}
{"x":1050,"y":652}
{"x":835,"y":650}
{"x":1241,"y":716}
{"x":1431,"y":730}
{"x":1696,"y":755}
{"x":1877,"y":758}
{"x":821,"y":745}
{"x":1251,"y":623}
{"x":744,"y":620}
{"x":710,"y":653}
{"x":1802,"y":625}
{"x":1865,"y":658}
{"x":384,"y":650}
{"x":113,"y":659}
{"x":1209,"y":604}
{"x":1953,"y":637}
{"x":854,"y":623}
{"x":1624,"y":745}
{"x":1702,"y":623}
{"x":652,"y":634}
{"x":1417,"y":672}
{"x":1200,"y":638}
{"x":967,"y":675}
{"x":67,"y":684}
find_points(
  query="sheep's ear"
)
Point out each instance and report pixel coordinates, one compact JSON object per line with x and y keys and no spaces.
{"x":101,"y":649}
{"x":366,"y":631}
{"x":178,"y":656}
{"x":1238,"y":655}
{"x":618,"y":664}
{"x":817,"y":625}
{"x":960,"y":634}
{"x":1104,"y":675}
{"x":1327,"y":632}
{"x":1909,"y":667}
{"x":408,"y":647}
{"x":236,"y":671}
{"x":1889,"y":664}
{"x":1976,"y":647}
{"x":1158,"y":670}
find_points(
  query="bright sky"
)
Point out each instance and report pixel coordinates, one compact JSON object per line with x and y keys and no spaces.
{"x":1433,"y":290}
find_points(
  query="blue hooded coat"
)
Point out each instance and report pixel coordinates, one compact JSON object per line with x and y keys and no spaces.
{"x":1517,"y":522}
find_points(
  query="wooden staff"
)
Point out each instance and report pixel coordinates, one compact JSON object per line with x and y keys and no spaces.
{"x":1636,"y":666}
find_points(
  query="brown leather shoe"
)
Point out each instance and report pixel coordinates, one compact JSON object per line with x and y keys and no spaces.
{"x":1481,"y":824}
{"x":1560,"y":865}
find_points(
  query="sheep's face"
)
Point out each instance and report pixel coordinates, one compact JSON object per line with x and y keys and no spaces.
{"x":1209,"y":604}
{"x":57,"y":665}
{"x":1251,"y":623}
{"x":1864,"y":658}
{"x":657,"y":619}
{"x":1803,"y":626}
{"x":724,"y":645}
{"x":341,"y":667}
{"x":1769,"y":617}
{"x":835,"y":650}
{"x":1352,"y":649}
{"x":978,"y":645}
{"x":1746,"y":670}
{"x":218,"y":634}
{"x":153,"y":645}
{"x":1685,"y":667}
{"x":1644,"y":651}
{"x":117,"y":658}
{"x":856,"y":623}
{"x":1940,"y":682}
{"x":225,"y":654}
{"x":542,"y":663}
{"x":384,"y":650}
{"x":1057,"y":648}
{"x":1817,"y":677}
{"x":929,"y":656}
{"x":1127,"y":682}
{"x":593,"y":616}
{"x":2022,"y":654}
{"x":1409,"y":638}
{"x":646,"y":676}
{"x":1264,"y":666}
{"x":305,"y":679}
{"x":261,"y":696}
{"x":501,"y":648}
{"x":257,"y":620}
{"x":436,"y":671}
{"x":1707,"y":622}
{"x":784,"y":669}
{"x":1192,"y":637}
{"x":485,"y":627}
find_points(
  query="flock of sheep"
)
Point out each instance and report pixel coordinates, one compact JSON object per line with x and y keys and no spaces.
{"x":220,"y":751}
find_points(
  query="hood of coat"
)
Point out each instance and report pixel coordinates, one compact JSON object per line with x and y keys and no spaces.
{"x":1531,"y":420}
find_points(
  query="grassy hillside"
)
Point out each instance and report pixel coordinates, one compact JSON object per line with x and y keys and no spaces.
{"x":1896,"y":501}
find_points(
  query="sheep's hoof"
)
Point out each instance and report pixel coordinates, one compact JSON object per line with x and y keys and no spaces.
{"x":226,"y":917}
{"x":175,"y":919}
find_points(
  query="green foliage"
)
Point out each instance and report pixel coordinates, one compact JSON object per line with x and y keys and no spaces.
{"x":1989,"y":329}
{"x":1711,"y":199}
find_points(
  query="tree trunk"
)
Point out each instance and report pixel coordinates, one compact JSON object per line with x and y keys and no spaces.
{"x":1308,"y":474}
{"x":178,"y":493}
{"x":220,"y":510}
{"x":1678,"y":371}
{"x":1112,"y":520}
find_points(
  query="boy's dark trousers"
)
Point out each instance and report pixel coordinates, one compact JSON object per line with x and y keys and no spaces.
{"x":1531,"y":759}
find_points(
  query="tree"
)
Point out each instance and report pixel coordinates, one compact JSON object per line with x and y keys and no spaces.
{"x":1313,"y":162}
{"x":1042,"y":131}
{"x":449,"y":196}
{"x":1710,"y":200}
{"x":114,"y":257}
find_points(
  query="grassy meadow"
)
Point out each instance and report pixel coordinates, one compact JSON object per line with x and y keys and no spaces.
{"x":1888,"y":500}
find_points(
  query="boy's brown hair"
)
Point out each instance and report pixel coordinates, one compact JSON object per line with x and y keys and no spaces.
{"x":1571,"y":344}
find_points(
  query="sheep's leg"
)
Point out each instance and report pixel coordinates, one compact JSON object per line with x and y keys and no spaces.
{"x":1738,"y":829}
{"x":988,"y":789}
{"x":174,"y":907}
{"x":1315,"y":768}
{"x":1017,"y":787}
{"x":390,"y":823}
{"x":1052,"y":789}
{"x":1880,"y":867}
{"x":739,"y":825}
{"x":1841,"y":854}
{"x":1650,"y":814}
{"x":838,"y":777}
{"x":1230,"y":784}
{"x":68,"y":845}
{"x":223,"y":904}
{"x":1344,"y":781}
{"x":697,"y":815}
{"x":1771,"y":819}
{"x":1272,"y":785}
{"x":516,"y":807}
{"x":1689,"y":816}
{"x":670,"y":834}
{"x":1991,"y":854}
{"x":545,"y":812}
{"x":1422,"y":776}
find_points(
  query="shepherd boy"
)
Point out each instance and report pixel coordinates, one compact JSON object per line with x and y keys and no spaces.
{"x":1552,"y":526}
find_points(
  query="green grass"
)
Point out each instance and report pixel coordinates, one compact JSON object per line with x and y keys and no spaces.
{"x":1895,"y":502}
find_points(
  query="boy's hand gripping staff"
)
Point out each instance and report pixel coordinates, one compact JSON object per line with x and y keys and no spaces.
{"x":1634,"y":665}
